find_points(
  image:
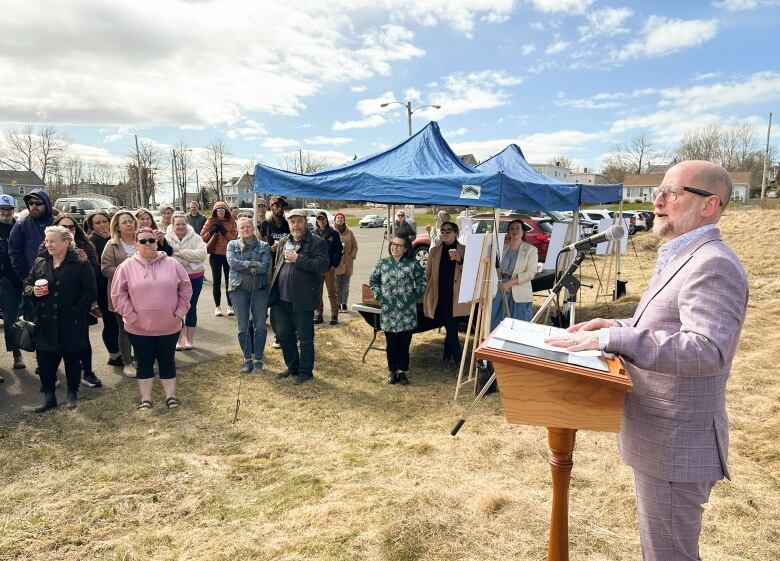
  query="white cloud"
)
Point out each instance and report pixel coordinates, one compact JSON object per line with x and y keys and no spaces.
{"x":536,"y":147}
{"x":358,"y":89}
{"x":662,"y":36}
{"x":556,"y":47}
{"x":367,"y":123}
{"x":277,"y":144}
{"x":606,"y":22}
{"x":461,"y":93}
{"x":736,"y":5}
{"x":707,"y":76}
{"x":250,"y":131}
{"x":528,"y":48}
{"x":537,"y":25}
{"x":373,"y":106}
{"x":457,"y":132}
{"x":334,"y":140}
{"x":566,"y":6}
{"x":605,"y":100}
{"x":333,"y":157}
{"x":756,"y":88}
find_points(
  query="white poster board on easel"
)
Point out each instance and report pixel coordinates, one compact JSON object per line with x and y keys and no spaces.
{"x":471,"y":277}
{"x":609,"y":247}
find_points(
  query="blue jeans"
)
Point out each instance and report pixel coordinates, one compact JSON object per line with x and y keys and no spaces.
{"x":10,"y":298}
{"x":256,"y":304}
{"x":191,"y":319}
{"x":517,"y":310}
{"x":294,"y":328}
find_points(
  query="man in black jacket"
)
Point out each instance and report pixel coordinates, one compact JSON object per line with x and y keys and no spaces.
{"x":300,"y":260}
{"x":335,"y":250}
{"x":10,"y":284}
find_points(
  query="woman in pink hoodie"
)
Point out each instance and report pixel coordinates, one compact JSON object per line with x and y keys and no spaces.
{"x":151,"y":292}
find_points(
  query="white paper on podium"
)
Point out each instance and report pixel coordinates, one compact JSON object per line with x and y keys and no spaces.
{"x":533,"y":335}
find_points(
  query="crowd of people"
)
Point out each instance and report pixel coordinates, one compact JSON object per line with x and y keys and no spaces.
{"x":143,"y":280}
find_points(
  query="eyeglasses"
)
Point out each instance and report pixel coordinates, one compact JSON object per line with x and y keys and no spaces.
{"x":400,"y":215}
{"x":36,"y":203}
{"x":145,"y":241}
{"x":126,"y":222}
{"x":447,"y":231}
{"x":397,"y":245}
{"x":670,"y":194}
{"x":7,"y":209}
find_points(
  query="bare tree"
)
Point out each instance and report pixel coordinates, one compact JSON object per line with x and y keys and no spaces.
{"x":216,"y":153}
{"x":182,"y":164}
{"x":303,"y":162}
{"x":150,"y":157}
{"x":632,"y":157}
{"x":73,"y":169}
{"x":562,"y":162}
{"x":28,"y":150}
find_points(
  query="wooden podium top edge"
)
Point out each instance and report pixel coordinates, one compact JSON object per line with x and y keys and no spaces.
{"x":616,"y":377}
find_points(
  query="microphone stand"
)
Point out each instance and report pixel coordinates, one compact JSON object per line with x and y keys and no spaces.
{"x":567,"y":281}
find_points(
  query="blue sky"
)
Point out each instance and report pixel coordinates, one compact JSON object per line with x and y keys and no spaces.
{"x":554,"y":76}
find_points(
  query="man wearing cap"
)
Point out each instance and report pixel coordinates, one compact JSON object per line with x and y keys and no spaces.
{"x":262,"y":208}
{"x":277,"y":227}
{"x":195,"y":218}
{"x":300,"y":259}
{"x":10,"y":284}
{"x":27,"y":234}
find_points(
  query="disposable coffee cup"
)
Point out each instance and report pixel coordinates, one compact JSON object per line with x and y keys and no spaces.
{"x":43,"y":284}
{"x":453,"y":254}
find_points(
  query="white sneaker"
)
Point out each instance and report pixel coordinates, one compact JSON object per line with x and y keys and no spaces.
{"x":217,"y":311}
{"x":230,"y":311}
{"x":129,"y":371}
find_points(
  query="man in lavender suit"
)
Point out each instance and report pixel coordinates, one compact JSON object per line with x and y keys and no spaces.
{"x":678,"y":348}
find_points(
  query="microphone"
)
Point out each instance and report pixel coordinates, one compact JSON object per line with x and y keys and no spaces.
{"x":611,"y":234}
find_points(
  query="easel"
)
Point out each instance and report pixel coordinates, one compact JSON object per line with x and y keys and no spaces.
{"x":484,"y":289}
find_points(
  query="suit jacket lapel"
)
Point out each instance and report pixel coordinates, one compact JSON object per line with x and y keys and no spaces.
{"x":670,"y":271}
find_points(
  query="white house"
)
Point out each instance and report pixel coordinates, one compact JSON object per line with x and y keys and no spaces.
{"x":586,"y":177}
{"x":554,"y":171}
{"x":240,"y":190}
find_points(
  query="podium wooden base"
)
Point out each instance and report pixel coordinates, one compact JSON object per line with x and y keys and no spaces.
{"x":563,"y":398}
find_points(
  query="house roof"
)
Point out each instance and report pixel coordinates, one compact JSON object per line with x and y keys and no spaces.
{"x":26,"y":178}
{"x":655,"y":179}
{"x":469,"y":159}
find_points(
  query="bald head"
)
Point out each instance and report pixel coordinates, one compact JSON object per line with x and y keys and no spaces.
{"x":704,"y":175}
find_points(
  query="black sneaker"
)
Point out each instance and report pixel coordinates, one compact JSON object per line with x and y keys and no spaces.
{"x":89,"y":379}
{"x":402,"y":379}
{"x":302,"y":378}
{"x":392,"y":378}
{"x":285,"y":374}
{"x":116,"y":361}
{"x":318,"y":319}
{"x":334,"y":320}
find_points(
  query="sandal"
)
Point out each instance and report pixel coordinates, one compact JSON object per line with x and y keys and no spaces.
{"x":172,"y":403}
{"x":145,"y":405}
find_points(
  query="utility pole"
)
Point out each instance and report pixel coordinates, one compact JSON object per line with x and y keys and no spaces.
{"x":197,"y":186}
{"x":140,"y":171}
{"x":766,"y":158}
{"x":300,"y":158}
{"x":409,"y":116}
{"x":173,"y":176}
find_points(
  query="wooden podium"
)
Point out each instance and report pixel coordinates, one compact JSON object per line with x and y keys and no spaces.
{"x":564,"y":398}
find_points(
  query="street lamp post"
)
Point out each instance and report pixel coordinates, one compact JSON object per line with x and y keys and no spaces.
{"x":409,"y":110}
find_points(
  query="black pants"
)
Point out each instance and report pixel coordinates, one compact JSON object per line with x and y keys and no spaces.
{"x":86,"y":359}
{"x":398,"y":350}
{"x":218,"y":265}
{"x":110,"y":327}
{"x":48,"y":362}
{"x":295,"y":331}
{"x":10,"y":298}
{"x":451,"y":341}
{"x":149,"y":348}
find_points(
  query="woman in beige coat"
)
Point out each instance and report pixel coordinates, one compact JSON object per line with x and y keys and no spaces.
{"x":518,"y":268}
{"x":443,"y":272}
{"x":118,"y":248}
{"x":344,"y":270}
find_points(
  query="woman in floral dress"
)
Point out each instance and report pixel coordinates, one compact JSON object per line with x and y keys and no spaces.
{"x":397,"y":282}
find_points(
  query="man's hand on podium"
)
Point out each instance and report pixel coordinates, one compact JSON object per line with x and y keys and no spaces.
{"x":582,"y":336}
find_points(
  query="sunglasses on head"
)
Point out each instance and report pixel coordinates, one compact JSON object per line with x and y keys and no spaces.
{"x":144,"y":241}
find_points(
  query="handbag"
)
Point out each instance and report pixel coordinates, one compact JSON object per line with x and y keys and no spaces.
{"x":24,"y":334}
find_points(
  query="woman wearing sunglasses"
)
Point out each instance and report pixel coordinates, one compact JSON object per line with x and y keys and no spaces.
{"x":443,"y":274}
{"x":152,"y":292}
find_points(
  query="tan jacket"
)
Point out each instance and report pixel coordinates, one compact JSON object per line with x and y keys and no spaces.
{"x":525,"y":271}
{"x":350,"y":253}
{"x":431,"y":297}
{"x":112,"y":257}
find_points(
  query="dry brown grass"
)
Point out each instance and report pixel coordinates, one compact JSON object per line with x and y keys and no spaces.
{"x":349,"y":468}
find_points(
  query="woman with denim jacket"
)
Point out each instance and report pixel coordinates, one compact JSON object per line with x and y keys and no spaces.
{"x":249,"y":259}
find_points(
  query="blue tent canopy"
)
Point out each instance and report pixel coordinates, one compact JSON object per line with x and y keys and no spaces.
{"x":422,"y":169}
{"x":512,"y":162}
